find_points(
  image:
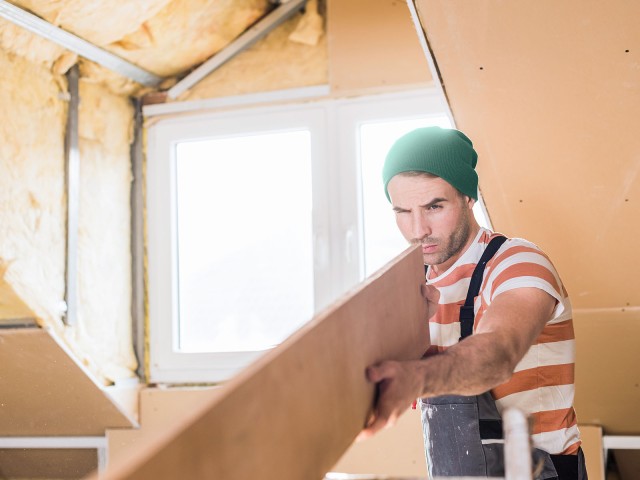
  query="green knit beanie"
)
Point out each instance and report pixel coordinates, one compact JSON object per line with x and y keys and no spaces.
{"x":446,"y":153}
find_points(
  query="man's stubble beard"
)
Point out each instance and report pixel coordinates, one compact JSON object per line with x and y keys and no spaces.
{"x":456,"y":242}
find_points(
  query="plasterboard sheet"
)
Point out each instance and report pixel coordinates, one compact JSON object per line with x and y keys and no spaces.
{"x":44,"y":463}
{"x":45,"y":392}
{"x":294,"y":412}
{"x":373,"y":47}
{"x":607,"y":373}
{"x":549,"y":92}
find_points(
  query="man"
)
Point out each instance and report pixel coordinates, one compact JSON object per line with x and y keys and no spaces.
{"x":515,"y":347}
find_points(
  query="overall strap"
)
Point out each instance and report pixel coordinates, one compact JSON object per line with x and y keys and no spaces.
{"x":466,"y":311}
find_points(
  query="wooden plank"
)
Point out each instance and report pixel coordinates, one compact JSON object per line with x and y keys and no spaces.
{"x":396,"y":452}
{"x":45,"y":392}
{"x":294,"y":412}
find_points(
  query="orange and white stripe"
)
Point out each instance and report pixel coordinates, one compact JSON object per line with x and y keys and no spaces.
{"x":542,"y":384}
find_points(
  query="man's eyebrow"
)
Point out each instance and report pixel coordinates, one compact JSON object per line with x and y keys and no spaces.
{"x":426,"y":205}
{"x":399,"y":209}
{"x":433,"y":202}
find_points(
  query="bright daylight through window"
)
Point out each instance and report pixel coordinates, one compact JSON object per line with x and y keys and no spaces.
{"x":244,"y":241}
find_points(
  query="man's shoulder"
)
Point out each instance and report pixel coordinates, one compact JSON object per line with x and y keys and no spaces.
{"x":520,"y":252}
{"x":513,"y":243}
{"x":520,"y":262}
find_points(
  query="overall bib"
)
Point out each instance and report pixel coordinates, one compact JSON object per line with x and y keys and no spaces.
{"x":463,"y":434}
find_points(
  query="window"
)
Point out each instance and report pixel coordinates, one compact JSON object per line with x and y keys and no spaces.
{"x":245,"y":259}
{"x":237,"y":222}
{"x":257,"y":218}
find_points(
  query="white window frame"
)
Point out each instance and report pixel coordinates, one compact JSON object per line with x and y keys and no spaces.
{"x":337,"y":223}
{"x":351,"y":115}
{"x":167,"y":364}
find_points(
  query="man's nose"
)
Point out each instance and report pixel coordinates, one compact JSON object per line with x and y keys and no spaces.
{"x":420,"y":226}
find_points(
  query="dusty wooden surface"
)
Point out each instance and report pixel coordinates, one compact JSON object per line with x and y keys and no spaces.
{"x":295,"y":411}
{"x":45,"y":392}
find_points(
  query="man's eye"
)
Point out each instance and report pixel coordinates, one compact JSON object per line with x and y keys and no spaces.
{"x":435,"y":207}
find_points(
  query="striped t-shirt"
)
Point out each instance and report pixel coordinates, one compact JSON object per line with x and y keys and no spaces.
{"x":542,"y":384}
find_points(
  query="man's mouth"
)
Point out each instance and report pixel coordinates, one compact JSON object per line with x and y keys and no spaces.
{"x":429,"y":248}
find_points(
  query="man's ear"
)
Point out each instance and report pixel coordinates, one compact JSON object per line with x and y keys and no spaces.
{"x":470,"y":201}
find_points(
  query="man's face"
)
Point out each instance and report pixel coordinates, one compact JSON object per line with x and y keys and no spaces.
{"x":431,"y":212}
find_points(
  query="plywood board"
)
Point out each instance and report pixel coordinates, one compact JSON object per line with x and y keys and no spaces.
{"x":396,"y":452}
{"x":45,"y":392}
{"x":294,"y":412}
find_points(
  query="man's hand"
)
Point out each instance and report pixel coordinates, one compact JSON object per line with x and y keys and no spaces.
{"x":399,"y":384}
{"x":431,"y":295}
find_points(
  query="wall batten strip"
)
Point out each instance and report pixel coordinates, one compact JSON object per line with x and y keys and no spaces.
{"x":289,"y":95}
{"x":248,"y":38}
{"x":137,"y":240}
{"x":72,"y":186}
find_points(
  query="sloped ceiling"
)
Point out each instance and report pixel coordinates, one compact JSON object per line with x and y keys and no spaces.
{"x":550,"y":94}
{"x":550,"y":91}
{"x":165,"y":37}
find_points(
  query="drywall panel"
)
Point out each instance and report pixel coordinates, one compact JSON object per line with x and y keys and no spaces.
{"x":627,"y":463}
{"x":11,"y":305}
{"x":396,"y":452}
{"x":373,"y":46}
{"x":293,"y":413}
{"x":607,"y":373}
{"x":45,"y":392}
{"x":550,"y":94}
{"x":159,"y":409}
{"x":47,"y":463}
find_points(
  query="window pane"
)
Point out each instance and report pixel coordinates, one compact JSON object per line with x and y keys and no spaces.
{"x":382,"y":240}
{"x":244,"y":240}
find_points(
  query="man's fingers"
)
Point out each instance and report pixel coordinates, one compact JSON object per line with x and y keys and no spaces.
{"x":377,"y":373}
{"x":375,"y":424}
{"x":373,"y":374}
{"x":430,"y":292}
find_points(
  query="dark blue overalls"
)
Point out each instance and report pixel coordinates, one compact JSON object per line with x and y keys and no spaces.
{"x":463,"y":434}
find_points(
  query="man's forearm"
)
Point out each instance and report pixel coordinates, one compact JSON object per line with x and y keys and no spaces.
{"x":470,"y":367}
